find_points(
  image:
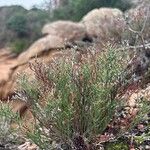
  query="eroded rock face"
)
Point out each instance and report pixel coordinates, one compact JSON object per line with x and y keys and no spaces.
{"x":7,"y":63}
{"x":104,"y":22}
{"x":42,"y":45}
{"x":69,"y":31}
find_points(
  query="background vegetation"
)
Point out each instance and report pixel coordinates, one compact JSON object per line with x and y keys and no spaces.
{"x":76,"y":9}
{"x":20,"y":27}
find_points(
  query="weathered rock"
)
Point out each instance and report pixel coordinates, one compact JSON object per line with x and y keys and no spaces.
{"x":104,"y":22}
{"x":42,"y":45}
{"x":28,"y":146}
{"x":142,"y":93}
{"x":7,"y":63}
{"x":69,"y":31}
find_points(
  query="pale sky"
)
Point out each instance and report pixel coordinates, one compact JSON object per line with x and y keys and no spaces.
{"x":25,"y":3}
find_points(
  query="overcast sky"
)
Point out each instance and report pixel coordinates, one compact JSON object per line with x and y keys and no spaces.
{"x":26,"y":3}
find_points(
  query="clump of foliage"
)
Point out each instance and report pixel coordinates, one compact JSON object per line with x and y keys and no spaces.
{"x":75,"y":10}
{"x":19,"y":45}
{"x":117,"y":146}
{"x":18,"y":24}
{"x":7,"y":116}
{"x":73,"y":99}
{"x":138,"y":22}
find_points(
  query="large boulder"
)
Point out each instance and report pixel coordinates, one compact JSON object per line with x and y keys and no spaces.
{"x":104,"y":22}
{"x":70,"y":31}
{"x":42,"y":45}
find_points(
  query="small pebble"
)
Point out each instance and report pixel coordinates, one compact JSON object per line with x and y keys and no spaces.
{"x":147,"y":147}
{"x":141,"y":127}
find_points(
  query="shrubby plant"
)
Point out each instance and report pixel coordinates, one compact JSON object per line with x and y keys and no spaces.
{"x":73,"y":99}
{"x":138,"y":22}
{"x":7,"y":117}
{"x":19,"y":46}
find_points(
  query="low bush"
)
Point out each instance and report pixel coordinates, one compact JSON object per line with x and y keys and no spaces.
{"x":19,"y":46}
{"x":73,"y":100}
{"x":7,"y":117}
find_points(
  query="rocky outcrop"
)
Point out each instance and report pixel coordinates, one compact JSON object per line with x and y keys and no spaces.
{"x":67,"y":30}
{"x":104,"y":22}
{"x":42,"y":45}
{"x":7,"y":63}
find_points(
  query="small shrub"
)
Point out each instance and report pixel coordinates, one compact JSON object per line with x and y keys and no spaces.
{"x":73,"y":100}
{"x":117,"y":146}
{"x":19,"y":46}
{"x":7,"y":133}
